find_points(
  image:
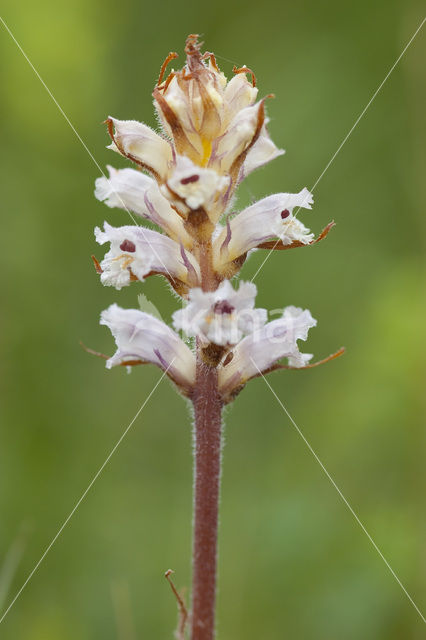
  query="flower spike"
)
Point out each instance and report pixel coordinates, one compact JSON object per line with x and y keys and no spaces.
{"x":216,"y":134}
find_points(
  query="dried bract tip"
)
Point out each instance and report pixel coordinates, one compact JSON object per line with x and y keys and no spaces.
{"x":235,"y":69}
{"x":172,"y":55}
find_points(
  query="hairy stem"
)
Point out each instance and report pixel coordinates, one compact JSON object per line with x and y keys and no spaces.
{"x":208,"y":434}
{"x":207,"y":452}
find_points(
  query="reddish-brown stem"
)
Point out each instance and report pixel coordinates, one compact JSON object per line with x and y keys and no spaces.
{"x":207,"y":451}
{"x":208,"y":434}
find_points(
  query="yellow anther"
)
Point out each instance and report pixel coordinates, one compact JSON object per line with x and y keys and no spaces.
{"x":126,"y":260}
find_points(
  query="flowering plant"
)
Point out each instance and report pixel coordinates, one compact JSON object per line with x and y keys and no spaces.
{"x":214,"y":134}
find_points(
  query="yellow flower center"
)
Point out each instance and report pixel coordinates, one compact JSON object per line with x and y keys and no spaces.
{"x":207,"y":151}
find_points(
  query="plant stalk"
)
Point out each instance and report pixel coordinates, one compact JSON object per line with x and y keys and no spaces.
{"x":207,"y":471}
{"x":208,"y":435}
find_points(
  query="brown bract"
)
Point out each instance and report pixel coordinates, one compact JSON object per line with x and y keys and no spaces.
{"x":229,"y":396}
{"x":277,"y":245}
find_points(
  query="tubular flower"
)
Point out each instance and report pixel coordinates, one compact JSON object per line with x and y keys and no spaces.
{"x":197,"y":105}
{"x":269,"y":218}
{"x":214,"y":133}
{"x":140,"y":143}
{"x":262,"y":152}
{"x":141,"y":338}
{"x":136,"y":252}
{"x":191,"y":188}
{"x":136,"y":192}
{"x":262,"y":349}
{"x":221,"y":317}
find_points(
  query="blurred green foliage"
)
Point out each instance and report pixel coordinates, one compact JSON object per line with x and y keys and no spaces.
{"x":293,"y":561}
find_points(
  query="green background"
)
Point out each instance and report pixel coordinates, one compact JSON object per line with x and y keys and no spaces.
{"x":294,"y":563}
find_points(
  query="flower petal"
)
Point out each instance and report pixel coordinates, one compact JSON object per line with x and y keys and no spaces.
{"x":141,"y":336}
{"x":137,"y":251}
{"x":141,"y":144}
{"x":134,"y":191}
{"x":125,"y":189}
{"x":269,"y":218}
{"x":260,"y":350}
{"x":239,"y":93}
{"x":237,"y":138}
{"x":223,"y":316}
{"x":194,"y":186}
{"x":263,"y":151}
{"x":190,"y":105}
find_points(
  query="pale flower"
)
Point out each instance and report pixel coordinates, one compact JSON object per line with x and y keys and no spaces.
{"x":213,"y":121}
{"x":136,"y":252}
{"x":242,"y":132}
{"x":263,"y":151}
{"x":142,"y":338}
{"x":190,"y":187}
{"x":263,"y":348}
{"x":190,"y":104}
{"x":140,"y":143}
{"x":222,"y":316}
{"x":269,"y":218}
{"x":238,"y":94}
{"x":136,"y":192}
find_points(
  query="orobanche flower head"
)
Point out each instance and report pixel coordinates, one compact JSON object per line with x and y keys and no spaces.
{"x":213,"y":135}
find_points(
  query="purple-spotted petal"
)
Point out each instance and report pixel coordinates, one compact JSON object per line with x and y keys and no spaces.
{"x":223,"y":316}
{"x":269,"y":218}
{"x":194,"y":187}
{"x":138,"y":251}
